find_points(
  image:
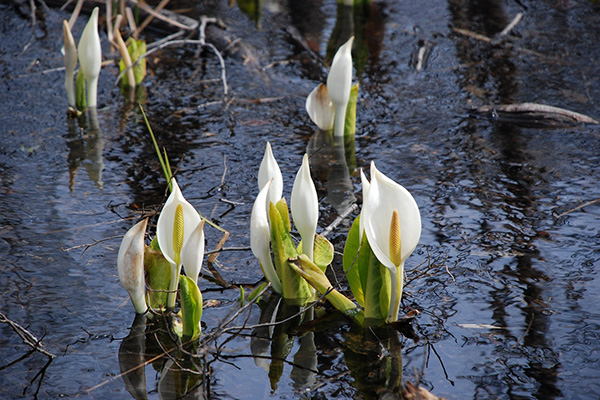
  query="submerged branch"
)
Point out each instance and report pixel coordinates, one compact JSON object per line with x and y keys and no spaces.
{"x":535,"y":114}
{"x":28,"y":338}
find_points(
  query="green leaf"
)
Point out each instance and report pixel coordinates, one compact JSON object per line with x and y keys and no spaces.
{"x":80,"y":98}
{"x":136,"y":49}
{"x":282,"y":207}
{"x":166,"y":167}
{"x":350,"y":262}
{"x":369,"y":280}
{"x":154,"y":244}
{"x":350,"y":123}
{"x":253,"y":296}
{"x":294,"y":287}
{"x":323,"y":252}
{"x":375,"y":292}
{"x":159,"y":276}
{"x":242,"y":296}
{"x":191,"y":307}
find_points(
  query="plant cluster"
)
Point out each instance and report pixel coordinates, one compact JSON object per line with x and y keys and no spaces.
{"x":381,"y":238}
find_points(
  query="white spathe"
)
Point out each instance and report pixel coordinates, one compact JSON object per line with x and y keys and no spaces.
{"x":383,"y":196}
{"x":269,"y":169}
{"x":70,"y":61}
{"x":320,"y":108}
{"x":130,"y":264}
{"x":90,"y":57}
{"x":260,"y":236}
{"x":165,"y":230}
{"x":305,"y":207}
{"x":339,"y":84}
{"x":192,"y":252}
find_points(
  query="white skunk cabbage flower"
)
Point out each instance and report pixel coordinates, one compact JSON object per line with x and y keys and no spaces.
{"x":130,"y":264}
{"x":339,"y":84}
{"x":70,"y":60}
{"x":260,"y":236}
{"x":320,"y":107}
{"x":176,"y":222}
{"x":269,"y":169}
{"x":90,"y":57}
{"x":192,"y":253}
{"x":391,"y":220}
{"x":305,"y":207}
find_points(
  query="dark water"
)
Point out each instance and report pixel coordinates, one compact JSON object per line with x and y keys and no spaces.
{"x":506,"y":285}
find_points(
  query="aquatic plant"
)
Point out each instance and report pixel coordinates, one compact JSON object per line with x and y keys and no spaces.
{"x":90,"y":57}
{"x":270,"y":226}
{"x":130,"y":264}
{"x":328,"y":105}
{"x":179,"y":242}
{"x":70,"y":61}
{"x":381,"y":238}
{"x":89,"y":54}
{"x":177,"y":221}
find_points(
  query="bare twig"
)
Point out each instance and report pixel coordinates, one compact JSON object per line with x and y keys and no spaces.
{"x":28,"y":338}
{"x":510,"y":26}
{"x":589,"y":203}
{"x":161,"y":16}
{"x":223,"y":249}
{"x":339,"y":219}
{"x":150,"y":17}
{"x":75,"y":14}
{"x":88,"y":245}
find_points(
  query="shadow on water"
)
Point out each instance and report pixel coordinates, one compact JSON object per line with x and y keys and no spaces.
{"x":504,"y":278}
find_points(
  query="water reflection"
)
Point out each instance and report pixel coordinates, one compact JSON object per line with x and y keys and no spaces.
{"x":374,"y":358}
{"x":509,"y":231}
{"x":86,"y":144}
{"x":272,"y":342}
{"x":332,"y":161}
{"x":181,"y":372}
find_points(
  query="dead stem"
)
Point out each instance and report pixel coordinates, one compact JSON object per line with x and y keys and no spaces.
{"x":589,"y":203}
{"x":28,"y":338}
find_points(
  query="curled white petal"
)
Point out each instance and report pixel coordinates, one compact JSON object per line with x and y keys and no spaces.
{"x":305,"y":207}
{"x":339,"y":84}
{"x":192,"y":252}
{"x":269,"y":169}
{"x":320,"y":107}
{"x":90,"y":57}
{"x":260,"y":236}
{"x":130,"y":264}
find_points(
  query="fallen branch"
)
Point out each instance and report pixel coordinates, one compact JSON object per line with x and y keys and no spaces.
{"x":353,"y":207}
{"x":28,"y":338}
{"x":535,"y":114}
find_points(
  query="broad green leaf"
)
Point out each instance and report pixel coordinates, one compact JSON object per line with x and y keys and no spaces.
{"x":136,"y":48}
{"x":294,"y":287}
{"x":350,"y":122}
{"x":350,"y":262}
{"x":322,"y":252}
{"x":375,"y":290}
{"x":158,"y":271}
{"x":191,"y":307}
